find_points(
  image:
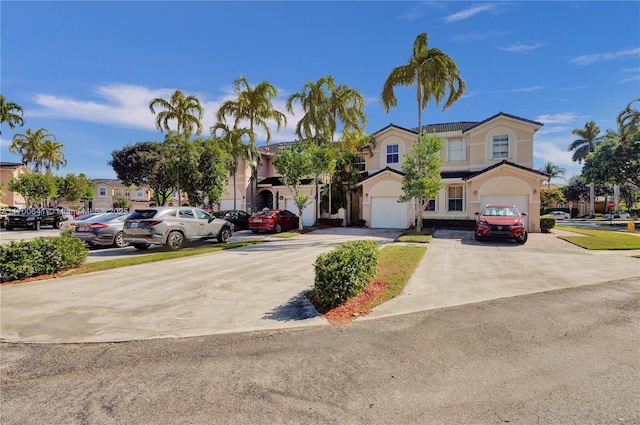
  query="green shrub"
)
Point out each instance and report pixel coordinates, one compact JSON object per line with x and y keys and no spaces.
{"x":343,"y":272}
{"x":19,"y":260}
{"x":547,"y":223}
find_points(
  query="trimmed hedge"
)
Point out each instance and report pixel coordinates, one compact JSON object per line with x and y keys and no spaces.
{"x":547,"y":223}
{"x":344,"y":272}
{"x":22,"y":259}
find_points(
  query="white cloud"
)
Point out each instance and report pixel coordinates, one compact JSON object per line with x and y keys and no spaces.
{"x":553,"y":130}
{"x":520,"y":47}
{"x":468,"y":13}
{"x":589,"y":59}
{"x":127,"y":106}
{"x":562,"y":118}
{"x":526,"y":89}
{"x":418,"y":10}
{"x":551,"y":150}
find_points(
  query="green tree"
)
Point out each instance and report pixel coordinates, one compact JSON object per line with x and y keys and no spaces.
{"x":586,"y":143}
{"x":422,"y":179}
{"x":231,"y":140}
{"x":253,"y":104}
{"x":39,"y":149}
{"x":185,"y":110}
{"x":74,"y":188}
{"x":11,"y":113}
{"x":628,"y":121}
{"x":553,"y":170}
{"x":34,"y":188}
{"x":432,"y":71}
{"x":300,"y":161}
{"x":614,"y":162}
{"x":122,"y":203}
{"x":214,"y":171}
{"x":549,"y":195}
{"x":146,"y":164}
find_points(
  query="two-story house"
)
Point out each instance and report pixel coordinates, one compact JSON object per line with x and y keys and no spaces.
{"x":9,"y":170}
{"x":484,"y":162}
{"x":107,"y":191}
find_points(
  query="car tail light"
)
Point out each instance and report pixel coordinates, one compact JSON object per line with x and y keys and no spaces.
{"x":98,"y":226}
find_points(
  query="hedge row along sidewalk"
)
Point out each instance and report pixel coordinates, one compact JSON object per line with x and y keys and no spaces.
{"x":395,"y":266}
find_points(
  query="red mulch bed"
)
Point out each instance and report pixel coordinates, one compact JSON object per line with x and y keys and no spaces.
{"x":356,"y":306}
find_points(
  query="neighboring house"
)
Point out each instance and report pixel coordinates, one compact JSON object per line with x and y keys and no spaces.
{"x":107,"y":191}
{"x":7,"y":171}
{"x":484,"y":162}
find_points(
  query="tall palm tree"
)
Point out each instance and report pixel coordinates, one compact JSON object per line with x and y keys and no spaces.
{"x":237,"y":149}
{"x":553,"y":170}
{"x":51,"y":155}
{"x":30,"y":146}
{"x":587,"y":142}
{"x":253,"y":104}
{"x":186,"y":110}
{"x":628,"y":121}
{"x":434,"y":74}
{"x":11,"y":113}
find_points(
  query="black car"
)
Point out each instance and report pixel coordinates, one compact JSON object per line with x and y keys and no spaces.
{"x":34,"y":218}
{"x":239,"y":218}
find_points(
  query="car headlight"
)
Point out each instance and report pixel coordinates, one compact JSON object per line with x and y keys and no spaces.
{"x":483,"y":223}
{"x":518,"y":224}
{"x":30,"y":218}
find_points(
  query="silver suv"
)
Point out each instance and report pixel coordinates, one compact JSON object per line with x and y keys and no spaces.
{"x":173,"y":226}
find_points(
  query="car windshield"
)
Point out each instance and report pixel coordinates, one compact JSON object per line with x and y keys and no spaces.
{"x":500,"y":212}
{"x":263,"y":213}
{"x":143,"y":214}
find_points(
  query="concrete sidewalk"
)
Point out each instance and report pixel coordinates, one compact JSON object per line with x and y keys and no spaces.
{"x":261,"y":287}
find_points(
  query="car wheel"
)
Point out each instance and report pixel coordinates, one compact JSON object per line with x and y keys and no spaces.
{"x":175,"y":240}
{"x":141,"y":246}
{"x":224,"y":235}
{"x":56,"y":224}
{"x":278,"y":228}
{"x":522,"y":239}
{"x":254,"y":230}
{"x":8,"y":227}
{"x":36,"y":226}
{"x":118,"y":241}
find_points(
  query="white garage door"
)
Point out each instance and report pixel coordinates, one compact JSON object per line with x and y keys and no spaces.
{"x":388,"y":213}
{"x":308,"y":215}
{"x":227,"y":204}
{"x":522,"y":202}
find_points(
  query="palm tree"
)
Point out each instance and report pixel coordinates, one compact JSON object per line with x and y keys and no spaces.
{"x":237,"y":149}
{"x":186,"y":110}
{"x":253,"y":104}
{"x":31,"y":146}
{"x":433,"y":72}
{"x":628,"y":121}
{"x":553,"y":170}
{"x":587,"y":142}
{"x":51,"y":155}
{"x":11,"y":113}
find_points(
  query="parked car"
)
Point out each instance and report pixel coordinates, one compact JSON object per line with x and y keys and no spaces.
{"x":101,"y":230}
{"x":34,"y":218}
{"x":239,"y":218}
{"x":559,"y":215}
{"x":71,"y":224}
{"x":501,"y":221}
{"x":173,"y":226}
{"x":273,"y":221}
{"x":618,"y":214}
{"x":4,"y":213}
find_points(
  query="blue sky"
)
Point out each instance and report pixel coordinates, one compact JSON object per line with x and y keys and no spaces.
{"x":86,"y":71}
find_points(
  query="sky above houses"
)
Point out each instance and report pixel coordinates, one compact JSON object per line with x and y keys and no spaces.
{"x":86,"y":71}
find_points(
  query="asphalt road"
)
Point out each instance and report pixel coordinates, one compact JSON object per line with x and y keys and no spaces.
{"x":560,"y":357}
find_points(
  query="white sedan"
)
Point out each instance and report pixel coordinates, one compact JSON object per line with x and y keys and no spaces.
{"x":559,"y":215}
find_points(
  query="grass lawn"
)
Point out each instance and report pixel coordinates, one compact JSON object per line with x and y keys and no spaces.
{"x":600,"y":239}
{"x":395,"y":266}
{"x":411,"y":235}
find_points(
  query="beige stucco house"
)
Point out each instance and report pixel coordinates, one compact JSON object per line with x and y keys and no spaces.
{"x":106,"y":191}
{"x":10,"y":170}
{"x":483,"y":162}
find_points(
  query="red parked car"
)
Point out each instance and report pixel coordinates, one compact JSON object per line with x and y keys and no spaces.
{"x":501,"y":221}
{"x":273,"y":221}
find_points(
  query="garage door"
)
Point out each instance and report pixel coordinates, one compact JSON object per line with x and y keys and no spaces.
{"x":308,"y":215}
{"x":227,"y":204}
{"x":522,"y":202}
{"x":388,"y":213}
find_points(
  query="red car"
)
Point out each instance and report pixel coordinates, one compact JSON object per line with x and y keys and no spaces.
{"x":501,"y":221}
{"x":273,"y":221}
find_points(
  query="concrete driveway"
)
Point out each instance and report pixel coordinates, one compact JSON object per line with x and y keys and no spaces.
{"x":261,"y":287}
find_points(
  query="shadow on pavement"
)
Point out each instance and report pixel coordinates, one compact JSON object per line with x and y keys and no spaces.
{"x":297,"y":308}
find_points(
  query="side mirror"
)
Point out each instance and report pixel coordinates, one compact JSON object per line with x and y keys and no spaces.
{"x":524,"y":214}
{"x":477,"y":213}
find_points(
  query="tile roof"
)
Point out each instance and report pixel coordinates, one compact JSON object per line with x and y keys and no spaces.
{"x":505,"y":162}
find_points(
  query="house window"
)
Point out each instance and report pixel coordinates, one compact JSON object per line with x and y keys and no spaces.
{"x":103,"y":191}
{"x":455,"y":150}
{"x":139,"y":194}
{"x":392,"y":154}
{"x":361,"y":163}
{"x":500,"y":147}
{"x":455,"y":198}
{"x":431,"y":205}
